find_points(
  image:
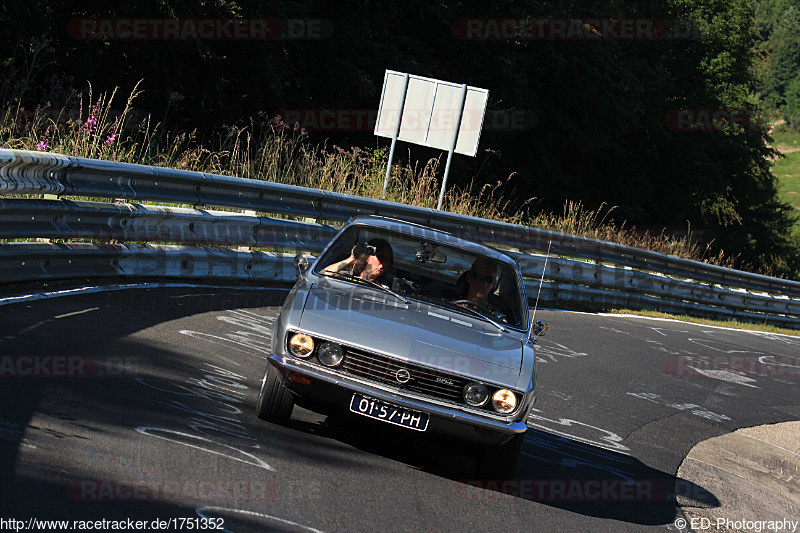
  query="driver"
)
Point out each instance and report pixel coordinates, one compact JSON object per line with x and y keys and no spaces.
{"x":480,"y":281}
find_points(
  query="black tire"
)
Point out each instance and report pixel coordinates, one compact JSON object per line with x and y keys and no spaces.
{"x":499,"y":462}
{"x":275,"y":402}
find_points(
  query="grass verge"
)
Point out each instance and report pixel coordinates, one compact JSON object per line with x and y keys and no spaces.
{"x":786,"y":169}
{"x":735,"y":324}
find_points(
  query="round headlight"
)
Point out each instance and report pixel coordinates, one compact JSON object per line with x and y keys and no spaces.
{"x":301,"y":345}
{"x":504,"y":401}
{"x":330,"y":354}
{"x":476,"y":394}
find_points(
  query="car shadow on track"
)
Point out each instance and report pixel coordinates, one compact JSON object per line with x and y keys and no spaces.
{"x":552,"y":470}
{"x":593,"y":481}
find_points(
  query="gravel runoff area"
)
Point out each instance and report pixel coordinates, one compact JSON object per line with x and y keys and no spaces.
{"x":753,"y":472}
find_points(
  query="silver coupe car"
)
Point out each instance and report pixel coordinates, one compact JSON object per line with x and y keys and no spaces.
{"x":412,"y":327}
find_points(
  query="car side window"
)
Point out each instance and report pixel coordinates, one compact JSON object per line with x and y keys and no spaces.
{"x":507,"y":297}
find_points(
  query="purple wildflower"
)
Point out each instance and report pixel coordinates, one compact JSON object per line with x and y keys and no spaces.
{"x":42,"y":146}
{"x":91,"y":123}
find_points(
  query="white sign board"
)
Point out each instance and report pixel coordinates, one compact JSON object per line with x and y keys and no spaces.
{"x":430,"y":112}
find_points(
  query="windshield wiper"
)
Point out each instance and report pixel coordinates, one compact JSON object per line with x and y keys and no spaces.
{"x":473,"y":312}
{"x":350,"y":277}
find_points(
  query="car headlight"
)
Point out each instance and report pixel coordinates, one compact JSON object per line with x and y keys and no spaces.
{"x":504,"y":401}
{"x":476,"y":394}
{"x":330,"y":354}
{"x":301,"y":345}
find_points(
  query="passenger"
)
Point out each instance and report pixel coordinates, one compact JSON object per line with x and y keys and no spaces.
{"x":372,"y":261}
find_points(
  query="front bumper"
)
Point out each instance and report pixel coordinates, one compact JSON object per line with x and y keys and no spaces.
{"x":447,"y":420}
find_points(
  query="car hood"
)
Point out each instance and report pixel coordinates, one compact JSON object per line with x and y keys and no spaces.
{"x":416,"y":332}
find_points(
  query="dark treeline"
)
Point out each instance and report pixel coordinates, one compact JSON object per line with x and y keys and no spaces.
{"x":777,"y":59}
{"x":621,"y":117}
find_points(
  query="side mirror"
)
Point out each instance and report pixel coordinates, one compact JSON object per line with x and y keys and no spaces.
{"x":301,"y":264}
{"x":540,"y":328}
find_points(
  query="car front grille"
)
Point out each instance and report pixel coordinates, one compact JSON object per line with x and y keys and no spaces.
{"x":422,"y":380}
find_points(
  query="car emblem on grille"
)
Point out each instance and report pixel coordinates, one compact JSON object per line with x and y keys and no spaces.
{"x":402,"y":375}
{"x":445,"y":381}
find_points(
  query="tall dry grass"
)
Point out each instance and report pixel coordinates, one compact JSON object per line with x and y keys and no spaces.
{"x":268,"y":149}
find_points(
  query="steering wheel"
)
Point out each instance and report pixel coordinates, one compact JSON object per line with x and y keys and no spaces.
{"x":474,"y":305}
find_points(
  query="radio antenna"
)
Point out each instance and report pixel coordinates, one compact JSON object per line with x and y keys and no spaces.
{"x":541,"y":282}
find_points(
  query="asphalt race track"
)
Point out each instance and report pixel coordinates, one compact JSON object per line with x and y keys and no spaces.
{"x":137,"y":405}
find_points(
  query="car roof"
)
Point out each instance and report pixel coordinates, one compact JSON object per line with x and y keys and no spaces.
{"x":444,"y":237}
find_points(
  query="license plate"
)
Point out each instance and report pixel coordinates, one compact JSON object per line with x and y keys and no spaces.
{"x":389,"y":413}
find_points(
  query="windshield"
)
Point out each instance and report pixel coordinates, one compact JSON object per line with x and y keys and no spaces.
{"x":433,"y":272}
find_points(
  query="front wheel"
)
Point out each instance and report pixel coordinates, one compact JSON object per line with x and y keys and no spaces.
{"x":499,"y":462}
{"x":275,"y":402}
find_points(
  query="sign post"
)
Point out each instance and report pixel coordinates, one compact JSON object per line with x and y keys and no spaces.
{"x":396,"y":133}
{"x":456,"y":130}
{"x":432,"y":113}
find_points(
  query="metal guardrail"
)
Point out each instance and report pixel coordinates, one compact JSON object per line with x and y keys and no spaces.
{"x":47,"y":261}
{"x":71,"y":219}
{"x":568,"y":274}
{"x":582,"y":273}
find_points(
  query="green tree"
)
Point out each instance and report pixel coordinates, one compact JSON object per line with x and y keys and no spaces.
{"x":778,"y":51}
